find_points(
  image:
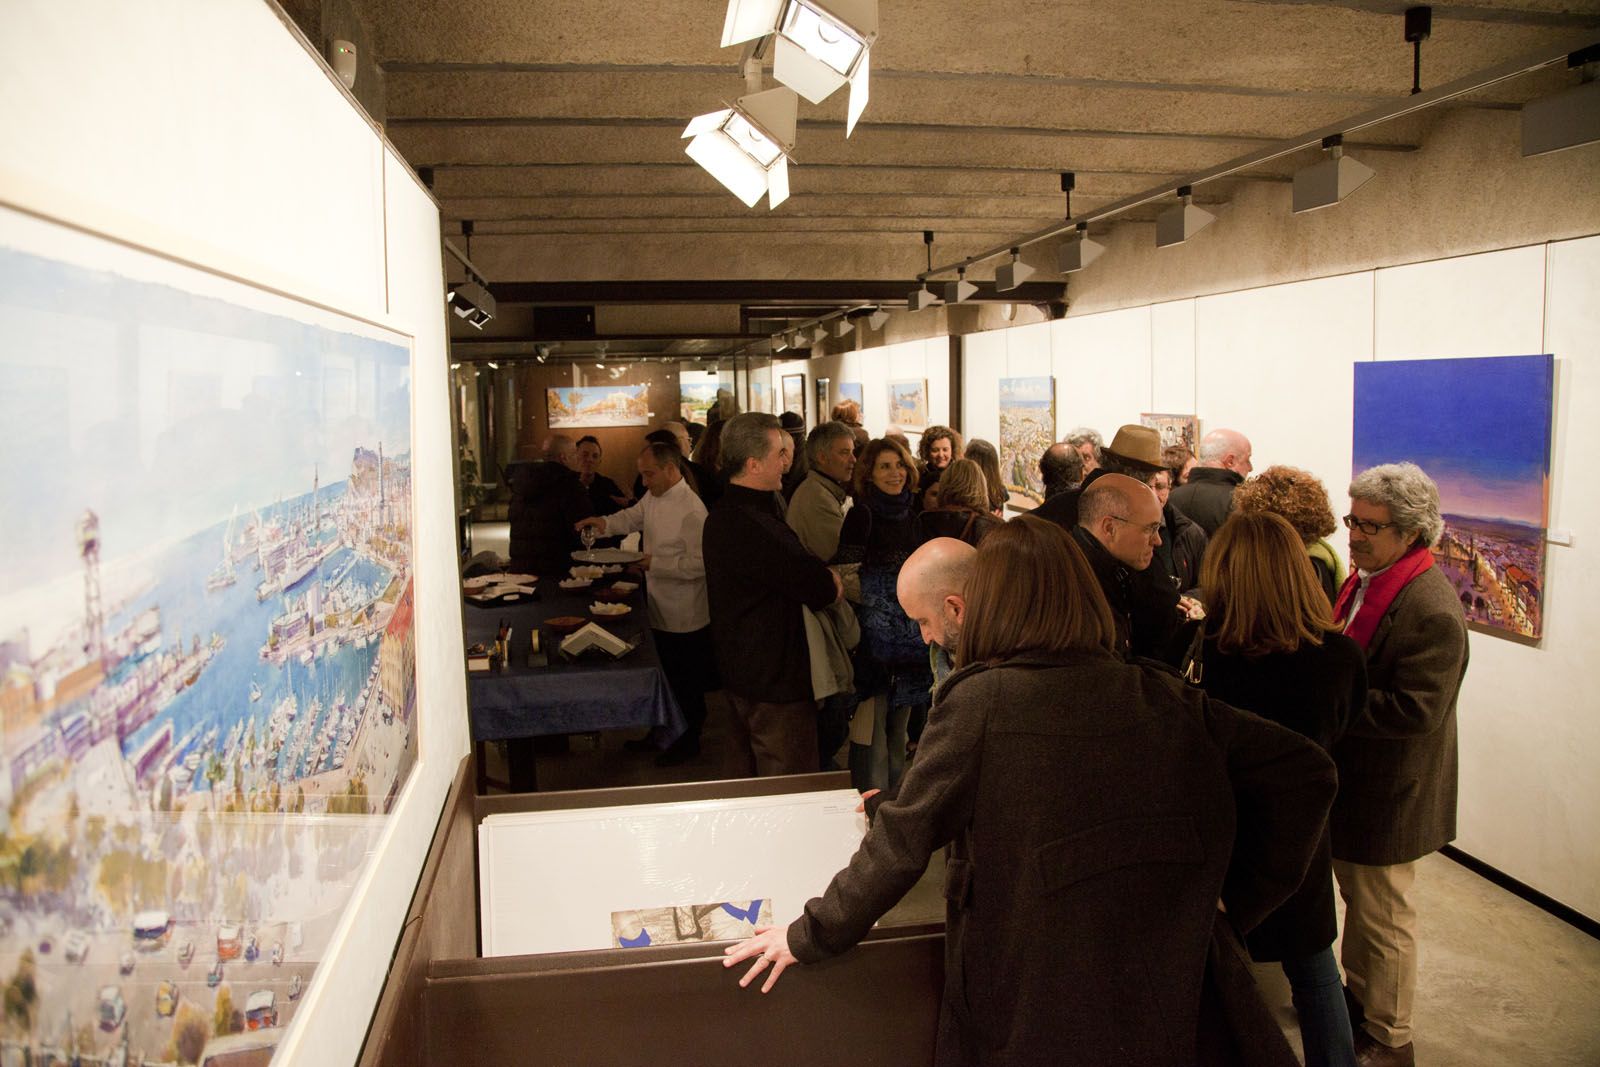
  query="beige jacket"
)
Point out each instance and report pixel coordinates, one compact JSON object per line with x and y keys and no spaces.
{"x":816,"y":513}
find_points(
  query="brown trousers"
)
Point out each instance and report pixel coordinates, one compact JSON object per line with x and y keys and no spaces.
{"x":767,"y":739}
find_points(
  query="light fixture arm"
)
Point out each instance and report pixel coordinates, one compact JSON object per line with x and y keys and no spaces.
{"x":752,"y":70}
{"x":1419,"y":26}
{"x":1069,"y":181}
{"x":927,"y":239}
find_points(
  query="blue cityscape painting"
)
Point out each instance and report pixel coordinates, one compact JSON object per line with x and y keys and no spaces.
{"x":207,"y":664}
{"x":1480,"y":428}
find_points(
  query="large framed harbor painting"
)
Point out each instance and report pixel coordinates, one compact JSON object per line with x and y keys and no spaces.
{"x":1494,"y":488}
{"x":207,"y":664}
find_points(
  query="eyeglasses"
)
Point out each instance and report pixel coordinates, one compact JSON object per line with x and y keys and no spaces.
{"x":1151,"y":531}
{"x":1367,"y":526}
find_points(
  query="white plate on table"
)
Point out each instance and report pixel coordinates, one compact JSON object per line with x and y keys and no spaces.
{"x":603,"y":610}
{"x":607,"y":555}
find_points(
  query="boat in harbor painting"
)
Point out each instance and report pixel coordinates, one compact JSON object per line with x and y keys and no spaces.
{"x":207,"y":680}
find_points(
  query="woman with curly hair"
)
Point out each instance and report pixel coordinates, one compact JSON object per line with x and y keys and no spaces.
{"x":939,"y":445}
{"x":1300,"y":498}
{"x":987,"y":458}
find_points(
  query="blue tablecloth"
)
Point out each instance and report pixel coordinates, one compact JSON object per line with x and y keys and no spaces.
{"x":567,"y":697}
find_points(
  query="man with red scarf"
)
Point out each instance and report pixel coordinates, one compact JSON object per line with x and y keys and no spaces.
{"x":1397,"y":762}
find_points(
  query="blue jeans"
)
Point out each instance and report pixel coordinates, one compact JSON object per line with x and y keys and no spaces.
{"x":1318,"y":996}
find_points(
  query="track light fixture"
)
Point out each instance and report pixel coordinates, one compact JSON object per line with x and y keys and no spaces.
{"x":818,"y":46}
{"x":1181,"y":221}
{"x":1014,"y":273}
{"x":818,"y":333}
{"x":1325,"y":184}
{"x":746,"y":147}
{"x":780,"y":342}
{"x":877,"y":319}
{"x":841,"y":326}
{"x":1077,"y":252}
{"x":923,"y":297}
{"x":959,"y":290}
{"x":543,"y":353}
{"x":470,"y":299}
{"x":1569,"y":118}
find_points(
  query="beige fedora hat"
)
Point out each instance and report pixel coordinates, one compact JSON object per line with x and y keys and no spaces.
{"x":1137,"y":446}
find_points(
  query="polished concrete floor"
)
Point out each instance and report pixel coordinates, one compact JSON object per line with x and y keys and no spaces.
{"x":1501,"y":982}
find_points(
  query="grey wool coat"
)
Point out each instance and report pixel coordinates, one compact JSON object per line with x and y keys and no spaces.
{"x":1097,"y":811}
{"x":1397,"y":762}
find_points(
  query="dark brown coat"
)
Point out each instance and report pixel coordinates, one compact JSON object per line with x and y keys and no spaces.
{"x":1092,"y":805}
{"x":1397,"y":762}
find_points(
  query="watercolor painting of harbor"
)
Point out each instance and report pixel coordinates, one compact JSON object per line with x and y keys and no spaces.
{"x":1027,"y":428}
{"x":207,"y":664}
{"x":1494,"y":488}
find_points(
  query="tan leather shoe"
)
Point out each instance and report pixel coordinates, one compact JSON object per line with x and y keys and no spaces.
{"x":1371,"y":1052}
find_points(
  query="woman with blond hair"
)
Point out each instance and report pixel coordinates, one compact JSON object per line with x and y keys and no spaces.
{"x":1272,"y":648}
{"x":1097,"y":811}
{"x":962,"y":510}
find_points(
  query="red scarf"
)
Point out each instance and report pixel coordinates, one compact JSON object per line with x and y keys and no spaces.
{"x":1382,"y":588}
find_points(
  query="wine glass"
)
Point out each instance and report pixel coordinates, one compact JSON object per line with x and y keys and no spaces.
{"x":587,"y":534}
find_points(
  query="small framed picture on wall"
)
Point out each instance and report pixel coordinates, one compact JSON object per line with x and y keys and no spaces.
{"x":908,"y":404}
{"x":823,"y":407}
{"x":794,"y":394}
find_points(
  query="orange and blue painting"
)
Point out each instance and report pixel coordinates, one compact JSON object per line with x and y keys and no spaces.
{"x":1480,"y":428}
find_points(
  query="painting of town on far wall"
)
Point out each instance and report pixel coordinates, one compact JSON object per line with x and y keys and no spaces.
{"x":1494,"y":488}
{"x":1027,"y":428}
{"x":576,"y":407}
{"x":207,"y":681}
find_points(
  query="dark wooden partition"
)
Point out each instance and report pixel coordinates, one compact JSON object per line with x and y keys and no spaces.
{"x":657,"y":1006}
{"x":876,"y":1005}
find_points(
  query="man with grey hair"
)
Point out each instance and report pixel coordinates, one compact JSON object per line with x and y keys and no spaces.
{"x":816,"y":515}
{"x":1087,"y":443}
{"x":1397,"y":760}
{"x":1207,"y":496}
{"x":758,"y":576}
{"x":547,"y":500}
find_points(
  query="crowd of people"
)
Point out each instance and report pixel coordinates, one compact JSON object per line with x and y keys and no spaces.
{"x":1155,"y":722}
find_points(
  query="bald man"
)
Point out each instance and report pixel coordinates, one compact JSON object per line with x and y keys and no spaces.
{"x":932,"y":592}
{"x":1119,"y":527}
{"x":1207,"y":496}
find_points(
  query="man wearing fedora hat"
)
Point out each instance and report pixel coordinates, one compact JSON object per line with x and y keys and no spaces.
{"x":1134,"y":451}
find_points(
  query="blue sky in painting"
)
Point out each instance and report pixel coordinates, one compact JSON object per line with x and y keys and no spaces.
{"x":1028,"y":391}
{"x":164,"y":410}
{"x":1479,"y":427}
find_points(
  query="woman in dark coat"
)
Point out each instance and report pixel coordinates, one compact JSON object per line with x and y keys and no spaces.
{"x":1272,"y":648}
{"x":984,"y":455}
{"x":893,"y":677}
{"x":1096,"y":810}
{"x":963,"y":506}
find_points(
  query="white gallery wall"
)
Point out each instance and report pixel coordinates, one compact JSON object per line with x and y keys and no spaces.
{"x":258,"y":166}
{"x":923,"y":360}
{"x":1277,"y":363}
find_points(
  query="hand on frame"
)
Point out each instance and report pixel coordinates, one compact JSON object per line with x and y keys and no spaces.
{"x":770,"y":945}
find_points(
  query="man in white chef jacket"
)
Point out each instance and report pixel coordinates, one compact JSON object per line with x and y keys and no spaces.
{"x":671,"y":517}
